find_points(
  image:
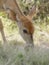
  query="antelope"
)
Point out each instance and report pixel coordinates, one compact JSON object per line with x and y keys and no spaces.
{"x":24,"y":23}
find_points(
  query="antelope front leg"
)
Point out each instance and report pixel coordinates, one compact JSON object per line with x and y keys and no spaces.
{"x":3,"y":35}
{"x":2,"y":31}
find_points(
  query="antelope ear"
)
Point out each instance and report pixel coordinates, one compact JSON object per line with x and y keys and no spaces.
{"x":32,"y":12}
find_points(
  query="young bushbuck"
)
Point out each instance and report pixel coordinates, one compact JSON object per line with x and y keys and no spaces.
{"x":2,"y":31}
{"x":24,"y":23}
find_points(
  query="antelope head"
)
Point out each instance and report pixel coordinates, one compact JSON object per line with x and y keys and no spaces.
{"x":26,"y":26}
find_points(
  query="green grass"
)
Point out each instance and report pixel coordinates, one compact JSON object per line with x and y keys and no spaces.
{"x":18,"y":55}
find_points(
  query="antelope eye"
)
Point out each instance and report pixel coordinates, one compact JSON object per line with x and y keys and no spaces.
{"x":25,"y":31}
